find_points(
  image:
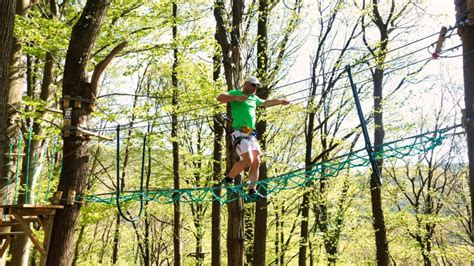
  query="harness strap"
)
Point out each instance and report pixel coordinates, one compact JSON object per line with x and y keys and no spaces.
{"x":237,"y":140}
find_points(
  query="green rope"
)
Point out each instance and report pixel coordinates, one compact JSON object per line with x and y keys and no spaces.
{"x":27,"y":199}
{"x":410,"y":146}
{"x":15,"y":195}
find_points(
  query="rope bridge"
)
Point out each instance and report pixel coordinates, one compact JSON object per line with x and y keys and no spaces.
{"x":303,"y":177}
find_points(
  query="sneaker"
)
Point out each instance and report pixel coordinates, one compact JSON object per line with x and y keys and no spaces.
{"x":254,"y":196}
{"x":227,"y":183}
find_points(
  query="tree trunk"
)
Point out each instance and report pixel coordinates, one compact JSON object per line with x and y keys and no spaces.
{"x":147,"y":258}
{"x":467,"y":36}
{"x":199,"y":234}
{"x":7,"y":16}
{"x":379,"y":55}
{"x":304,"y":234}
{"x":304,"y":229}
{"x":425,"y":251}
{"x":249,"y":223}
{"x":235,"y":40}
{"x":20,"y":248}
{"x":197,"y":209}
{"x":375,"y":189}
{"x":148,"y":241}
{"x":235,"y":233}
{"x":15,"y":89}
{"x":116,"y":240}
{"x":104,"y":240}
{"x":278,"y":244}
{"x":217,"y":175}
{"x":75,"y":148}
{"x":78,"y":243}
{"x":16,"y":77}
{"x":232,"y":70}
{"x":174,"y":136}
{"x":261,"y":206}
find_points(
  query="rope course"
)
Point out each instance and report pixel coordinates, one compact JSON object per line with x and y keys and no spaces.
{"x":296,"y":179}
{"x":367,"y":68}
{"x":301,"y":178}
{"x":32,"y":167}
{"x":404,"y":46}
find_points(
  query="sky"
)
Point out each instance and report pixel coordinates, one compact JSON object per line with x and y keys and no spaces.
{"x":415,"y":100}
{"x":439,"y":13}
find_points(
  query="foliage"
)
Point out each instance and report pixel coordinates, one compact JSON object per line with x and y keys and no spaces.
{"x":143,"y":73}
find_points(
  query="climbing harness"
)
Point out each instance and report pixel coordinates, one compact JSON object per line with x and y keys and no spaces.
{"x":248,"y":133}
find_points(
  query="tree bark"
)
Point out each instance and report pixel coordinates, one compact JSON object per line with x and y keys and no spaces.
{"x":217,"y":176}
{"x":20,"y":248}
{"x":304,"y":234}
{"x":232,"y":69}
{"x":236,"y":40}
{"x":467,"y":36}
{"x":375,"y":189}
{"x":249,"y":223}
{"x":223,"y":40}
{"x":235,"y":209}
{"x":7,"y":16}
{"x":261,"y":206}
{"x":75,"y":148}
{"x":148,"y":235}
{"x":15,"y":89}
{"x":116,"y":240}
{"x":78,"y":243}
{"x":174,"y":136}
{"x":379,"y":55}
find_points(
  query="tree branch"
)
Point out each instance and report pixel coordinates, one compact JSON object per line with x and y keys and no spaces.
{"x":99,"y":69}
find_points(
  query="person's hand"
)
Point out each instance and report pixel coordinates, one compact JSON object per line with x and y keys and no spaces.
{"x":242,"y":98}
{"x":284,"y":102}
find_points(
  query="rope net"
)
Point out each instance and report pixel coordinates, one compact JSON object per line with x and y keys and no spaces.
{"x":303,"y":177}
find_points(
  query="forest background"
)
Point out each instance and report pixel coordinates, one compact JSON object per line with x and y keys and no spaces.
{"x":162,"y":84}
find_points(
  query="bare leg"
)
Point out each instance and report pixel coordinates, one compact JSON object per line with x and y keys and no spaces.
{"x":239,"y":166}
{"x":254,"y":169}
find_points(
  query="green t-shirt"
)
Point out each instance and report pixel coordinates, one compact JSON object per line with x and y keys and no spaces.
{"x":243,"y":113}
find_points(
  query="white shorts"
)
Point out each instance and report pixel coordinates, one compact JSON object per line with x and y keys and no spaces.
{"x":246,"y":144}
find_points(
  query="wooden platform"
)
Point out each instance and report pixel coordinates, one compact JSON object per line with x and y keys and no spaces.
{"x":23,"y":215}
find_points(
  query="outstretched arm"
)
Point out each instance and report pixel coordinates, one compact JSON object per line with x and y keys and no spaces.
{"x":269,"y":103}
{"x":226,"y":98}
